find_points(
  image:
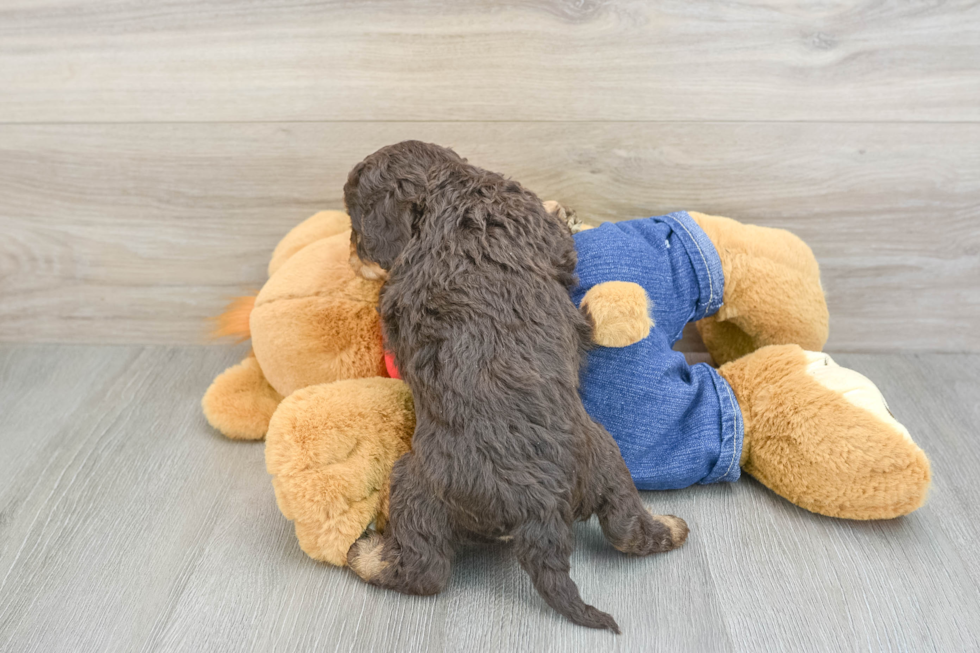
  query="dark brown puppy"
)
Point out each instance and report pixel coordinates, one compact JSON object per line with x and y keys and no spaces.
{"x":477,"y":313}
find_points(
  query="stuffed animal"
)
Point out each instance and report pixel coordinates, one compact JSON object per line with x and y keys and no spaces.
{"x":317,"y":387}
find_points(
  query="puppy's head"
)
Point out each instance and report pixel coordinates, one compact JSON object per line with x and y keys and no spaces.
{"x":385,"y":195}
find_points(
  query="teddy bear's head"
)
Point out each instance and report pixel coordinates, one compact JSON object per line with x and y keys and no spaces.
{"x":315,"y":321}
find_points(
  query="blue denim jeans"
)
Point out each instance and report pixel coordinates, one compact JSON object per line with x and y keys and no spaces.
{"x":676,"y":424}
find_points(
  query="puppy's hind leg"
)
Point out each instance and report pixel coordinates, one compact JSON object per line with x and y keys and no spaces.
{"x":543,"y":549}
{"x":627,"y":525}
{"x":414,"y":555}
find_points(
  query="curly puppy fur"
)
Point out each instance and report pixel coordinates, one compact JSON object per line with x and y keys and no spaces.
{"x":477,"y":314}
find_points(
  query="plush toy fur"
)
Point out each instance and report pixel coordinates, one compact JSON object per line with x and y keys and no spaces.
{"x":620,"y":313}
{"x":313,"y":322}
{"x":240,"y":402}
{"x":787,"y":395}
{"x":772,"y":291}
{"x":815,"y":433}
{"x":332,"y":487}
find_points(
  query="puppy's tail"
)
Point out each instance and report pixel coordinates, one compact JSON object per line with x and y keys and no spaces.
{"x":234,"y":321}
{"x":549,"y":573}
{"x":559,"y":591}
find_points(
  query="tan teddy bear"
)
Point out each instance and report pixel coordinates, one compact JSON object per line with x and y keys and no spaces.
{"x":316,"y":386}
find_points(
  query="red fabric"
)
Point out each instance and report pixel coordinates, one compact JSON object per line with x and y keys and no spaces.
{"x":390,"y":365}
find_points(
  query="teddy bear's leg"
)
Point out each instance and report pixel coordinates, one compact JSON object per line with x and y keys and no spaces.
{"x":330,"y":450}
{"x":821,"y":436}
{"x":676,"y":424}
{"x":772,"y":291}
{"x":240,"y":402}
{"x":414,"y":555}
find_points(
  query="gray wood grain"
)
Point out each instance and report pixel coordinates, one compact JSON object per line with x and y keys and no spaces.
{"x":224,"y":60}
{"x":136,"y":233}
{"x":817,"y":574}
{"x":127,"y":524}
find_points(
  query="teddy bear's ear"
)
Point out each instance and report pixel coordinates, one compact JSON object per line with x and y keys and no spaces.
{"x":318,"y":226}
{"x":620,"y":313}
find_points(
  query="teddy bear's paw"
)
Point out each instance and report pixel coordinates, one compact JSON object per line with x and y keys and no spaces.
{"x":619,"y":312}
{"x":567,"y":216}
{"x":765,"y":303}
{"x":322,"y":534}
{"x":854,"y":387}
{"x":822,"y":436}
{"x":772,"y":291}
{"x":330,"y":450}
{"x":240,"y":402}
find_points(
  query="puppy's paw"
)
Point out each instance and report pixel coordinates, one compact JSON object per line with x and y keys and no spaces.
{"x":677,"y":528}
{"x":656,"y":534}
{"x":555,"y":209}
{"x":364,"y":557}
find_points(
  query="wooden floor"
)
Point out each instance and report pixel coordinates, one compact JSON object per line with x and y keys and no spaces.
{"x":127,"y":524}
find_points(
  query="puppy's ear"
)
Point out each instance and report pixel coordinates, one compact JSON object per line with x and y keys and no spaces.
{"x":387,"y":226}
{"x":385,"y":199}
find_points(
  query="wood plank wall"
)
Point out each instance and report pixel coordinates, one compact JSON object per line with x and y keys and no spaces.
{"x":152,"y":153}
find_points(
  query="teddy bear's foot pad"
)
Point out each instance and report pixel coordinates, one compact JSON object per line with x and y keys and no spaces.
{"x":823,"y":437}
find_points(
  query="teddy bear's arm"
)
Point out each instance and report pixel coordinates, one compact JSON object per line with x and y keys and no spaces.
{"x":330,"y":451}
{"x":619,"y":312}
{"x":240,"y":402}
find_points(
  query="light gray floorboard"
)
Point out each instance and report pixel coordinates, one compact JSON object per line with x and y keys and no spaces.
{"x":127,"y":524}
{"x":899,"y":585}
